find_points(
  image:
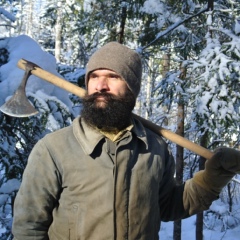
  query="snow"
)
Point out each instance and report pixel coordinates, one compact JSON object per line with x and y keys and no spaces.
{"x":237,"y":26}
{"x":10,"y":186}
{"x":24,"y":47}
{"x":7,"y":14}
{"x":153,"y":7}
{"x":188,"y":231}
{"x":221,"y":227}
{"x":223,"y":91}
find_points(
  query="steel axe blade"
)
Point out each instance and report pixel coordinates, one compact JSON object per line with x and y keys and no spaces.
{"x":18,"y":105}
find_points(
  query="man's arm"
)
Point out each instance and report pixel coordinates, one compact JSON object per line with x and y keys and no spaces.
{"x":37,"y":196}
{"x":207,"y":184}
{"x":198,"y":193}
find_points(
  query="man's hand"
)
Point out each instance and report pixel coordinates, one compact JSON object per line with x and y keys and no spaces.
{"x":219,"y":170}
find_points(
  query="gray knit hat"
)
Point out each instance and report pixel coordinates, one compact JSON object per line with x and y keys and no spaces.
{"x":120,"y":59}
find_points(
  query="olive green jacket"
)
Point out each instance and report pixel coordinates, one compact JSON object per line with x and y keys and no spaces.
{"x":79,"y":185}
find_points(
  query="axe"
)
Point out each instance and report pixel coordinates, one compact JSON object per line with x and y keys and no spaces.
{"x":19,"y":106}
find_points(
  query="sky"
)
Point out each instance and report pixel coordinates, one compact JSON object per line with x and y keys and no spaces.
{"x":11,"y":76}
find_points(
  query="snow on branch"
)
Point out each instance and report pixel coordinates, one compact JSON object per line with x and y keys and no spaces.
{"x":7,"y":14}
{"x":173,"y":26}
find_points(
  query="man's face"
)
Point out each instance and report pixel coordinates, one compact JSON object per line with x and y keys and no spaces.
{"x":106,"y":81}
{"x":109,"y":102}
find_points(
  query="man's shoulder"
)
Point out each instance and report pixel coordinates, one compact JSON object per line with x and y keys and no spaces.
{"x":151,"y":138}
{"x":141,"y":129}
{"x":155,"y":137}
{"x":60,"y":132}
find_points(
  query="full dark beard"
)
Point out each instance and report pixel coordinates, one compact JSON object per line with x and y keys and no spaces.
{"x":115,"y":114}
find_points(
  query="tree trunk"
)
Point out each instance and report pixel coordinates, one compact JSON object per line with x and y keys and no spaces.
{"x":165,"y":64}
{"x":179,"y":156}
{"x":147,"y":103}
{"x":199,"y":226}
{"x":122,"y":24}
{"x":180,"y":150}
{"x":230,"y":196}
{"x":58,"y":33}
{"x":203,"y":143}
{"x":199,"y":219}
{"x":179,"y":166}
{"x":29,"y":23}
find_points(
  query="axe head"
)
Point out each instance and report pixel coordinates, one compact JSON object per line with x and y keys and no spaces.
{"x":18,"y":105}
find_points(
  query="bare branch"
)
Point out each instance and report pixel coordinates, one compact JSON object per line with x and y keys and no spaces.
{"x":6,"y":25}
{"x":173,"y":26}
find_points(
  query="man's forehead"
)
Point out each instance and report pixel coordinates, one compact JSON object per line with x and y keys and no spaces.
{"x":104,"y":71}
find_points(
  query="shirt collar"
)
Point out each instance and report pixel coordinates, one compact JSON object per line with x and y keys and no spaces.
{"x":89,"y":137}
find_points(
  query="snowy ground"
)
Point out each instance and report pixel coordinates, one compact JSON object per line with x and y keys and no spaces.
{"x":219,"y":225}
{"x":188,"y":231}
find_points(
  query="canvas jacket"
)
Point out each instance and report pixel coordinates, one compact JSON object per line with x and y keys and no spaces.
{"x":78,"y":185}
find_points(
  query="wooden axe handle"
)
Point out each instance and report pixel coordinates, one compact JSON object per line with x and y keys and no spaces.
{"x":179,"y":140}
{"x":80,"y":92}
{"x":49,"y":77}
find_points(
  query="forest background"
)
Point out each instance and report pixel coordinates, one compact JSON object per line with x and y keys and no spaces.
{"x":190,"y":52}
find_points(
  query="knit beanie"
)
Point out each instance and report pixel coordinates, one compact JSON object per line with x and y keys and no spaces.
{"x":120,"y":59}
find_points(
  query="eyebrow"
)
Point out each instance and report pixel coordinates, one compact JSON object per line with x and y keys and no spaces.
{"x":93,"y":74}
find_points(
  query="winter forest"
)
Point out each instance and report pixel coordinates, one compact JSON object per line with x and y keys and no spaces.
{"x":190,"y":51}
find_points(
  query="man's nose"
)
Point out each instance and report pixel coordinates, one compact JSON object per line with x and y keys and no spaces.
{"x":102,"y":84}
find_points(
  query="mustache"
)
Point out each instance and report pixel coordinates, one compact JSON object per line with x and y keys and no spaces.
{"x":107,"y":96}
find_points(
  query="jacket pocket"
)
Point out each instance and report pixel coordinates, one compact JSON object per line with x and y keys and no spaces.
{"x":73,"y":222}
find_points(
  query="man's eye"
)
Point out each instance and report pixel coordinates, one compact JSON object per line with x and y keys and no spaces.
{"x":114,"y":76}
{"x":93,"y":76}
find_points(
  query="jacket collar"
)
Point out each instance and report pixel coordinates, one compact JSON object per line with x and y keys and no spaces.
{"x":140,"y":131}
{"x":88,"y":137}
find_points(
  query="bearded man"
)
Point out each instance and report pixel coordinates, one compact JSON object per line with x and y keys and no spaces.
{"x":107,"y":177}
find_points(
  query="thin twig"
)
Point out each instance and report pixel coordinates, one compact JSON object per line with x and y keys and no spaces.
{"x":173,"y":26}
